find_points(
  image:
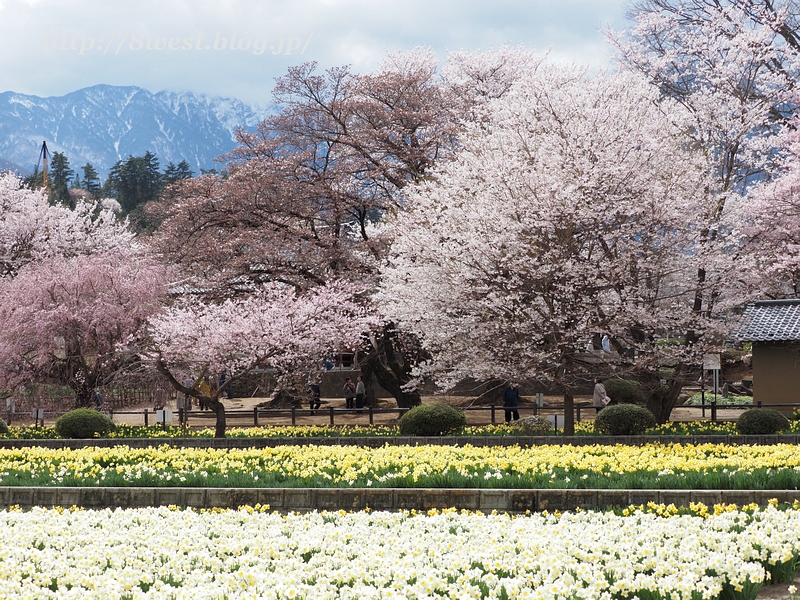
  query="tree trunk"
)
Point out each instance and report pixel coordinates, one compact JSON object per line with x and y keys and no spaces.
{"x":569,"y":414}
{"x":213,"y":402}
{"x":216,"y":405}
{"x":83,"y":395}
{"x":392,"y":383}
{"x":391,"y":372}
{"x":662,"y":402}
{"x":369,"y":386}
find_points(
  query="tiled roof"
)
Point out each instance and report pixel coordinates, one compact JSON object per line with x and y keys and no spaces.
{"x":770,"y":320}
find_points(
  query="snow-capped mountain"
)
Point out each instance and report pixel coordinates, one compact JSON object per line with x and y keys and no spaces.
{"x":103,"y":124}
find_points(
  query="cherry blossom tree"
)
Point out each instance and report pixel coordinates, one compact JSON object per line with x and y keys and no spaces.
{"x":772,"y":225}
{"x":732,"y":65}
{"x":64,"y":317}
{"x":573,"y":207}
{"x":31,"y":230}
{"x":275,"y":327}
{"x":300,"y":195}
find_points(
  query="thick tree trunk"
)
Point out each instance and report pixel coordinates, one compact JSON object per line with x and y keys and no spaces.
{"x":391,"y":372}
{"x":370,"y":398}
{"x":215,"y":404}
{"x":392,"y":383}
{"x":83,"y":395}
{"x":569,"y":414}
{"x":662,"y":402}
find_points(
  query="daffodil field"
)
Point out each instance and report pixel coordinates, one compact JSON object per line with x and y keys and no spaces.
{"x":646,"y":552}
{"x":651,"y":552}
{"x":651,"y":466}
{"x":583,"y":428}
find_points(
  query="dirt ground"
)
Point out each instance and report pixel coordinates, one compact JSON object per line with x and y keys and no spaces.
{"x":778,"y":591}
{"x":134,"y":415}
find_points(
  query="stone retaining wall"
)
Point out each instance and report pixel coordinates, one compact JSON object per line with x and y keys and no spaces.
{"x":377,"y":442}
{"x":310,"y":499}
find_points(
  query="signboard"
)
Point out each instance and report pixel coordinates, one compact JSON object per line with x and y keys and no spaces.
{"x":163,"y":416}
{"x":38,"y":414}
{"x":555,"y":420}
{"x":712,"y":362}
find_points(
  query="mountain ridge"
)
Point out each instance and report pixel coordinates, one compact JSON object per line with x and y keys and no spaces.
{"x":102,"y":124}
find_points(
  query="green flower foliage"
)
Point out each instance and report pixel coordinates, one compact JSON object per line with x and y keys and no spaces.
{"x":533,"y":425}
{"x":697,"y":400}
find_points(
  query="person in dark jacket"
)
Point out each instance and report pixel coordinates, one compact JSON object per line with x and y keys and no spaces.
{"x":349,"y":393}
{"x":511,"y":401}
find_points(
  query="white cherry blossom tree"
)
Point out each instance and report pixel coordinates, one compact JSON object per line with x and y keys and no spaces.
{"x":575,"y":206}
{"x":32,"y":230}
{"x":772,"y":224}
{"x":733,"y":65}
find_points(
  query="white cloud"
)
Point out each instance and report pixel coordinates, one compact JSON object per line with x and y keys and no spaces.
{"x":51,"y":47}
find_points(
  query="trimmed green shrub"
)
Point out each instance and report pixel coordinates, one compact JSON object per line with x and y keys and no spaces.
{"x":625,"y":391}
{"x":533,"y":425}
{"x":624,"y":419}
{"x":3,"y":427}
{"x":84,"y":423}
{"x":761,"y":421}
{"x":431,"y":419}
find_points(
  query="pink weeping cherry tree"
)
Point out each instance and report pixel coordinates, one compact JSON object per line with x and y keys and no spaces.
{"x":275,"y":327}
{"x":65,"y":318}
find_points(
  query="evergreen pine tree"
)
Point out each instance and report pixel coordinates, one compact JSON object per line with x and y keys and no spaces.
{"x":174,"y":173}
{"x":91,"y":180}
{"x":35,"y":180}
{"x":134,"y":182}
{"x":60,"y":179}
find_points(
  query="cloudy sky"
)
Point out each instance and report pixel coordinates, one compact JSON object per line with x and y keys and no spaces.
{"x":236,"y":48}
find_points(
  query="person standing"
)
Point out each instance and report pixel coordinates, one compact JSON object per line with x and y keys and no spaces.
{"x":185,"y":400}
{"x":361,"y":391}
{"x":511,"y":402}
{"x":599,"y":397}
{"x":159,"y":398}
{"x":349,"y":392}
{"x":204,"y":387}
{"x":223,"y":378}
{"x":314,"y":394}
{"x":11,"y":408}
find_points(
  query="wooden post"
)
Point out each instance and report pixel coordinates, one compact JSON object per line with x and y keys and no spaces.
{"x":331,"y":409}
{"x":255,"y":416}
{"x":294,"y":416}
